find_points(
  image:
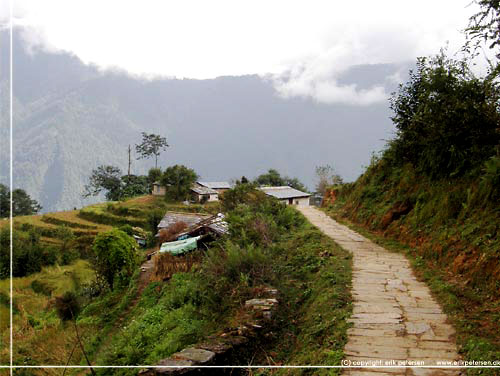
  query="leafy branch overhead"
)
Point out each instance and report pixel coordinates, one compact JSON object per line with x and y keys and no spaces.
{"x":152,"y":145}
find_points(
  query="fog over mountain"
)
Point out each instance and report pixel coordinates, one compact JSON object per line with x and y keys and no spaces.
{"x":70,"y":117}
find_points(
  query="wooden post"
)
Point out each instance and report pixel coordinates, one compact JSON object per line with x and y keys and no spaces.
{"x":129,"y":163}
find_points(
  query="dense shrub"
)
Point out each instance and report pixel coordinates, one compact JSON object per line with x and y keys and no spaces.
{"x":116,"y":256}
{"x":227,"y":266}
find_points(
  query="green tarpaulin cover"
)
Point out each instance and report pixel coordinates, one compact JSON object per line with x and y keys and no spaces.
{"x":180,"y":246}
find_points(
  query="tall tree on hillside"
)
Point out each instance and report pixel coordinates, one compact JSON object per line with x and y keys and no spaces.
{"x":22,"y":204}
{"x":105,"y":178}
{"x":152,"y":144}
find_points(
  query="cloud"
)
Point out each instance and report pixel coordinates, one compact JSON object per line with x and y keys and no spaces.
{"x":317,"y":77}
{"x":305,"y":45}
{"x":328,"y":91}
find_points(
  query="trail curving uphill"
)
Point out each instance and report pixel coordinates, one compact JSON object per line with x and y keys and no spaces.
{"x":394,"y":316}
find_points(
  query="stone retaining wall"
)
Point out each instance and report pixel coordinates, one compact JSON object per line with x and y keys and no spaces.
{"x":223,"y":349}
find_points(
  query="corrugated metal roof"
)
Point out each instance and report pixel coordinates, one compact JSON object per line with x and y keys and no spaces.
{"x":215,"y":184}
{"x":188,"y":218}
{"x":204,"y":191}
{"x":283,"y":192}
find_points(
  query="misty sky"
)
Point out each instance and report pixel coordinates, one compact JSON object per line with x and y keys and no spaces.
{"x":302,"y":45}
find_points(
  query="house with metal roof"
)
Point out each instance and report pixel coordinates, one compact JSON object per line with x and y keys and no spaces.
{"x":204,"y":194}
{"x":288,"y":195}
{"x":219,"y":186}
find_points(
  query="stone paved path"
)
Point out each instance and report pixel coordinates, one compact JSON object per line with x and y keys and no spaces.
{"x":394,"y":315}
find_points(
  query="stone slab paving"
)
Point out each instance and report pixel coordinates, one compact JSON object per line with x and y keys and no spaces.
{"x":394,"y":315}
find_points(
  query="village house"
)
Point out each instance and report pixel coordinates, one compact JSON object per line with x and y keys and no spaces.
{"x":209,"y":190}
{"x":201,"y":191}
{"x":288,"y":195}
{"x":219,"y":186}
{"x":204,"y":194}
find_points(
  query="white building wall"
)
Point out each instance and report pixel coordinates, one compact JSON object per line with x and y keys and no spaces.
{"x":303,"y":201}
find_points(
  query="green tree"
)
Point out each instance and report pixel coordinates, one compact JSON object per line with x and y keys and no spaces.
{"x":107,"y":179}
{"x":22,"y":204}
{"x":151,"y":145}
{"x":154,"y":175}
{"x":446,"y":118}
{"x":271,"y":178}
{"x":178,"y":181}
{"x":274,"y":179}
{"x":116,"y":256}
{"x":135,"y":185}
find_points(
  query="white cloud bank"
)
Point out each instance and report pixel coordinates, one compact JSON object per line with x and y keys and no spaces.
{"x":304,"y":44}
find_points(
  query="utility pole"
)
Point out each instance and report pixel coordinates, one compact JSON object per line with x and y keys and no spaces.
{"x":129,"y":163}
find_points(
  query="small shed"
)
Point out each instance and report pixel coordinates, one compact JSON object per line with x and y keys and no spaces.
{"x":288,"y":195}
{"x":158,"y":189}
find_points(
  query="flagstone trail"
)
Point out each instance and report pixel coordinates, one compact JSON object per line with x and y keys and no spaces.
{"x":394,"y":315}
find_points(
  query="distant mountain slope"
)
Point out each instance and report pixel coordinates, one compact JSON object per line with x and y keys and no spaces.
{"x":69,"y":118}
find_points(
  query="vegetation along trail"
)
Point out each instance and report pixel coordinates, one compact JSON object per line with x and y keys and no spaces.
{"x":394,"y":315}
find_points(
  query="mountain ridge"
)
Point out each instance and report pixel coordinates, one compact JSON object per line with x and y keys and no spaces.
{"x":70,"y":117}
